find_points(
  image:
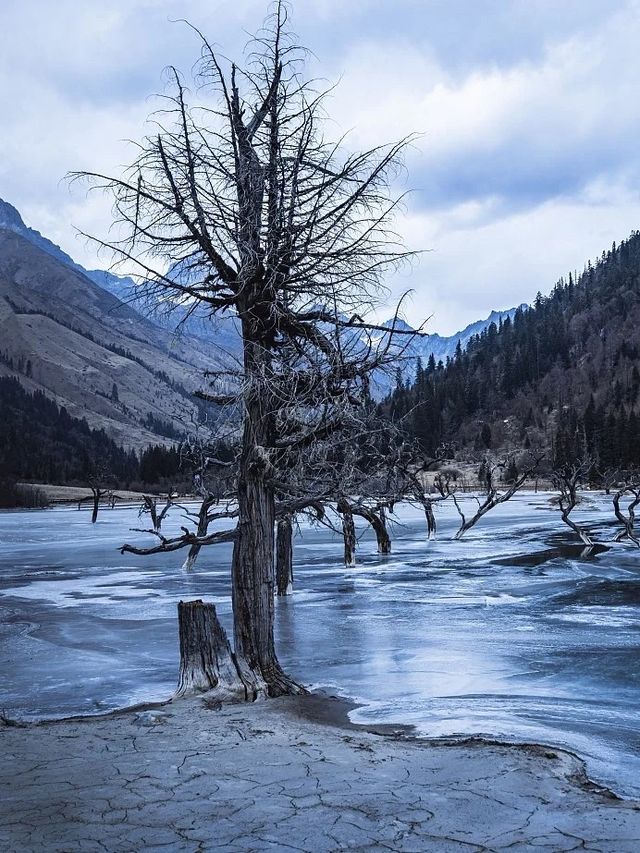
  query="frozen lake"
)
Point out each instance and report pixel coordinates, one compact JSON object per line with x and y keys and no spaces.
{"x":507,"y":633}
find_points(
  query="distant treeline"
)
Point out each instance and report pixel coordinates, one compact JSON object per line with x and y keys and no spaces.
{"x":563,"y":375}
{"x":41,"y":442}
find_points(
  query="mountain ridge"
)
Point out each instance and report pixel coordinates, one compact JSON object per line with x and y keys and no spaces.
{"x":562,"y":377}
{"x":221,"y":332}
{"x":64,"y":335}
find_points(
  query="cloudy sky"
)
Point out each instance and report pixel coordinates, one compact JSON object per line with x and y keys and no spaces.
{"x":529,"y":110}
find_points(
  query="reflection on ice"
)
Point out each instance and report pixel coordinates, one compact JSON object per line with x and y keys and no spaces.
{"x":513,"y":632}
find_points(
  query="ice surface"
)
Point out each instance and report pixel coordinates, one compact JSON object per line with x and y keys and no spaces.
{"x":514,"y":632}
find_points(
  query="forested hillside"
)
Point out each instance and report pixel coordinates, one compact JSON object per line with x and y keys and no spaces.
{"x":563,"y":375}
{"x":40,"y":441}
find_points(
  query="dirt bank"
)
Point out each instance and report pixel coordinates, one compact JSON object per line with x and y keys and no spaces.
{"x":290,"y":775}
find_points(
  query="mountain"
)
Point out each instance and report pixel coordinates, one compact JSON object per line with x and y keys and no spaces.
{"x":62,"y":334}
{"x":221,"y":332}
{"x":91,"y":342}
{"x":563,"y":375}
{"x":444,"y":347}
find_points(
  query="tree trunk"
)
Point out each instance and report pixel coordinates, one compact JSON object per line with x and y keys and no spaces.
{"x":431,"y":519}
{"x":192,"y":556}
{"x":578,"y":530}
{"x":380,"y":529}
{"x":202,"y":530}
{"x":206,"y":660}
{"x":284,"y":556}
{"x":349,"y":535}
{"x":96,"y":505}
{"x":253,"y":555}
{"x":628,"y":531}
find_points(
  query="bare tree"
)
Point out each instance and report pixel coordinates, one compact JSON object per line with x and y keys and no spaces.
{"x":101,"y":484}
{"x":149,"y":507}
{"x":568,"y":479}
{"x":493,"y":496}
{"x":630,"y":488}
{"x":288,"y":232}
{"x":374,"y":514}
{"x":348,"y":533}
{"x":412,"y":468}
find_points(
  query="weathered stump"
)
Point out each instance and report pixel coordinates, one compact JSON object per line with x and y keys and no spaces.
{"x":206,"y":660}
{"x":284,"y":556}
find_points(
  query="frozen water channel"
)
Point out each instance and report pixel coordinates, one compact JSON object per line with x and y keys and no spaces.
{"x":508,"y":633}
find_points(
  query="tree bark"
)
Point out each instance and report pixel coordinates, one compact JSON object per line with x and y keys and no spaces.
{"x":349,"y":535}
{"x":284,"y":555}
{"x":379,"y":527}
{"x":431,"y":519}
{"x":252,"y":568}
{"x":206,"y":660}
{"x":96,"y":505}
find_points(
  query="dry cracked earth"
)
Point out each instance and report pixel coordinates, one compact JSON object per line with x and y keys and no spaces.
{"x":290,"y":775}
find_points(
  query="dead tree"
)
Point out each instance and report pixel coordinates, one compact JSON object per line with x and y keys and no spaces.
{"x":492,"y":497}
{"x":283,"y":229}
{"x":412,"y":466}
{"x":150,"y":507}
{"x":205,"y":517}
{"x":284,"y":555}
{"x":568,"y":479}
{"x":631,"y":489}
{"x":100,"y":487}
{"x":348,"y":534}
{"x":97,"y":494}
{"x":373,"y":515}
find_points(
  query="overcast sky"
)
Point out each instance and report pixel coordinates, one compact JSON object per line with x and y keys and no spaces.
{"x":529,"y":162}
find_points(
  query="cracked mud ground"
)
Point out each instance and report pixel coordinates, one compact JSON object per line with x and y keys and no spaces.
{"x":269,"y":776}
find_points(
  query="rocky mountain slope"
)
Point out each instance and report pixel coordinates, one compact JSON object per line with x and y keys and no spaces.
{"x":62,"y":334}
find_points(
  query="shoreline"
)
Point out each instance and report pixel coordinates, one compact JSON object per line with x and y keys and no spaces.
{"x":327,"y":709}
{"x":176,"y":773}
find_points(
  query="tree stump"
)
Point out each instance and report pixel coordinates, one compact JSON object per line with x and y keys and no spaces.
{"x":206,"y":660}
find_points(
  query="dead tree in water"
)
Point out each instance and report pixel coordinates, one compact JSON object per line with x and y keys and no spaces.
{"x":374,"y":515}
{"x":290,"y":234}
{"x":488,"y":476}
{"x":412,"y":467}
{"x":150,"y":507}
{"x":568,"y":479}
{"x":348,"y":533}
{"x":284,"y":555}
{"x":97,"y":494}
{"x":205,"y":517}
{"x":630,"y":488}
{"x":101,"y":484}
